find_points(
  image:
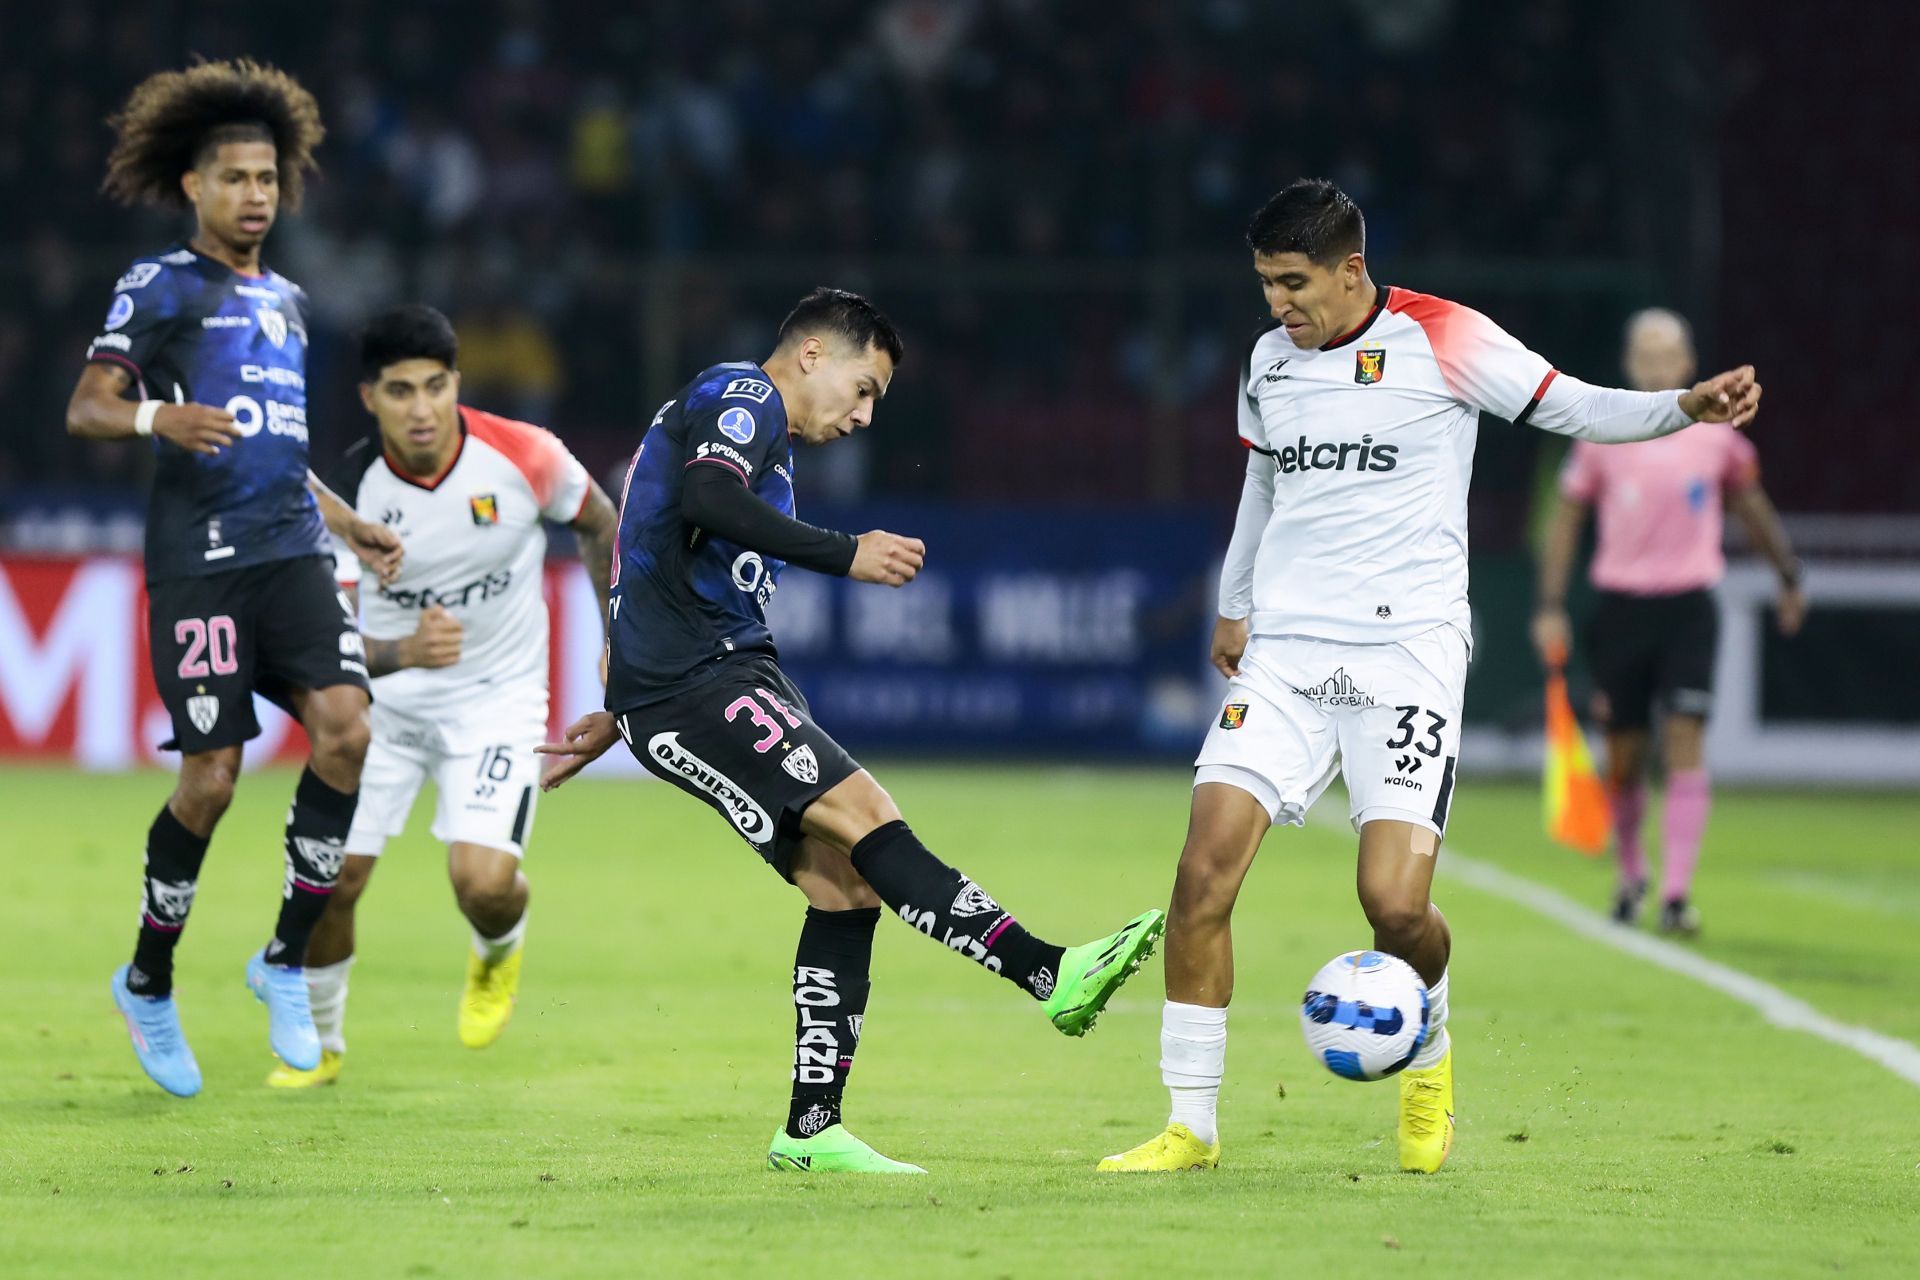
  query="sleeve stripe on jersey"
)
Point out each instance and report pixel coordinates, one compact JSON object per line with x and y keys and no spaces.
{"x":720,"y":462}
{"x":138,"y":375}
{"x":1256,"y":448}
{"x":1534,"y":403}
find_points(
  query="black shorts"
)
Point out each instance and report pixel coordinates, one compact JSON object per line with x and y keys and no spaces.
{"x":268,"y":628}
{"x":1652,"y":652}
{"x":744,"y":743}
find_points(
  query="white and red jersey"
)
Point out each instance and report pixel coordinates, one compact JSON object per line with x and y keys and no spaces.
{"x":1353,"y":521}
{"x":474,"y":545}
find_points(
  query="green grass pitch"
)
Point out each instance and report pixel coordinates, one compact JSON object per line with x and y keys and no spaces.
{"x":1616,"y":1119}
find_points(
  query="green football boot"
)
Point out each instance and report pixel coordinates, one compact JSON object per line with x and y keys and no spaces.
{"x":1089,"y":975}
{"x":832,"y":1150}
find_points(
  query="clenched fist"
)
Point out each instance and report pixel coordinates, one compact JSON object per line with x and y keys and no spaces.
{"x":435,"y":642}
{"x":887,"y":558}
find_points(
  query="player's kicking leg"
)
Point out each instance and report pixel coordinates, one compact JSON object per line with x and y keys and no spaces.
{"x":1073,"y":984}
{"x":1224,"y":830}
{"x":1395,"y":879}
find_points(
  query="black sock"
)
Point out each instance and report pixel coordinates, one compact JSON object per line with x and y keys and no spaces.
{"x":316,"y":839}
{"x":830,"y":988}
{"x":953,"y":910}
{"x":174,"y":855}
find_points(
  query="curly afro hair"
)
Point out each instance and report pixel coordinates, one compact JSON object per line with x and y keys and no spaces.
{"x":174,"y":118}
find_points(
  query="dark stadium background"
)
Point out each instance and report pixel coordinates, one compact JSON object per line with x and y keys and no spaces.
{"x":1049,"y":199}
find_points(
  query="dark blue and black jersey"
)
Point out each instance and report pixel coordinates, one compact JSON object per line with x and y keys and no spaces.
{"x":192,"y":329}
{"x":684,"y":601}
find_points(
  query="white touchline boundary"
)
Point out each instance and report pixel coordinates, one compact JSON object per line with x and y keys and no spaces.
{"x":1773,"y":1004}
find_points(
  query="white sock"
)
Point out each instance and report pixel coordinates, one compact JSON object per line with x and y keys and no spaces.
{"x":1193,"y":1058}
{"x":494,"y":950}
{"x":327,"y":993}
{"x":1436,"y":1046}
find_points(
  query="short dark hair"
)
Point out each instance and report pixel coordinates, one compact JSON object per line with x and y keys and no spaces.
{"x":847,"y":315}
{"x":174,"y":119}
{"x":1310,"y":216}
{"x":412,"y":331}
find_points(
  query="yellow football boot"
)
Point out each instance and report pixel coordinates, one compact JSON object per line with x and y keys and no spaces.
{"x":1426,"y":1116}
{"x":285,"y":1077}
{"x":487,"y":1002}
{"x":1174,"y":1151}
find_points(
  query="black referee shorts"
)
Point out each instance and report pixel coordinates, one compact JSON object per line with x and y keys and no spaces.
{"x":1653,"y":653}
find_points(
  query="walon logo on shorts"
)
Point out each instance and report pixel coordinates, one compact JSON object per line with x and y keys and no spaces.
{"x":742,"y":809}
{"x":1337,"y":690}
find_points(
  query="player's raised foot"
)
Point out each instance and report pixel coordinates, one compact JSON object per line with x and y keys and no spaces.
{"x":154,"y":1024}
{"x":283,"y":989}
{"x":1175,"y":1150}
{"x":1090,"y":974}
{"x":832,"y":1150}
{"x":1679,"y":919}
{"x":1426,"y":1116}
{"x":286,"y":1077}
{"x":1627,"y":901}
{"x":487,"y":1002}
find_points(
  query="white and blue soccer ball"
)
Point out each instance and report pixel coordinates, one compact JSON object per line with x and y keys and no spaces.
{"x":1365,"y":1015}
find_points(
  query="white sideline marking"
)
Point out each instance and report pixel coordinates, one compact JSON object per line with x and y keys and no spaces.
{"x":1773,"y":1004}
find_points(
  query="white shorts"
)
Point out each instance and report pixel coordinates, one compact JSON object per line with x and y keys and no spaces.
{"x":488,"y":789}
{"x":1386,"y":716}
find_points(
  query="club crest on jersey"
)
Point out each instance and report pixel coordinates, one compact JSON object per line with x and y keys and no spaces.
{"x":1234,"y":715}
{"x":273,"y":324}
{"x":486,"y":510}
{"x":203,"y":709}
{"x":802,"y":764}
{"x":737,"y":425}
{"x":120,"y":312}
{"x":1369,"y":365}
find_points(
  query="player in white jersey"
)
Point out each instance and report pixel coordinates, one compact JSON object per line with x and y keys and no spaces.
{"x":1344,"y":625}
{"x":457,"y":646}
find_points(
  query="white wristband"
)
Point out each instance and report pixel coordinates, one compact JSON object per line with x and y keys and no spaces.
{"x":143,"y":417}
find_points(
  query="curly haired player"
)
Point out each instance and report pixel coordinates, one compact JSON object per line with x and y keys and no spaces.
{"x":203,"y":357}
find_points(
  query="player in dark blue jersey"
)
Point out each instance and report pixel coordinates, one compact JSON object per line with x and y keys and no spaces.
{"x":204,"y":352}
{"x":694,"y":686}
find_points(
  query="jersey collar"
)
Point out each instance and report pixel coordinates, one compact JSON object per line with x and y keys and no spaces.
{"x":1379,"y":305}
{"x":432,"y":482}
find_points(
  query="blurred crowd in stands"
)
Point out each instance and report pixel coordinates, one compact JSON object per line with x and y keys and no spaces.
{"x":1048,"y":195}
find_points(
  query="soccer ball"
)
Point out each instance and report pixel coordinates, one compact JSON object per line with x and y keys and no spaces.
{"x":1365,"y":1015}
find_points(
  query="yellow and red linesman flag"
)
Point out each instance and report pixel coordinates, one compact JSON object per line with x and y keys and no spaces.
{"x":1576,"y":801}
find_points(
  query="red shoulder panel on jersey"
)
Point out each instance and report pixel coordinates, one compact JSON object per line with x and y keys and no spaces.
{"x":534,"y":451}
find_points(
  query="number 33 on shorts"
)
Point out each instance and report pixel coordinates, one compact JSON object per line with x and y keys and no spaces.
{"x":1405,"y":762}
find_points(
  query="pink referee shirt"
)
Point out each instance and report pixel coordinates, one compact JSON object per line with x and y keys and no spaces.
{"x":1658,"y":504}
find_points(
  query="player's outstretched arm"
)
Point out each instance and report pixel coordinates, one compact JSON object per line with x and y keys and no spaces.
{"x":585,"y":741}
{"x":377,"y":546}
{"x":1610,"y":415}
{"x":98,"y":410}
{"x":714,"y":500}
